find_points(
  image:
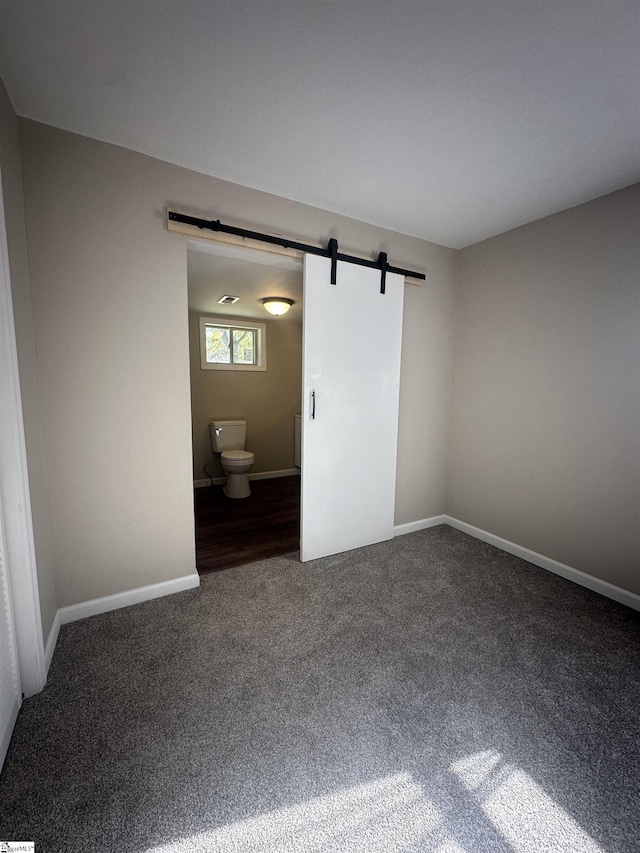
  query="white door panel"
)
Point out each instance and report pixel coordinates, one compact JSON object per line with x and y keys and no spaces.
{"x":10,"y":694}
{"x":12,"y":480}
{"x":351,"y":365}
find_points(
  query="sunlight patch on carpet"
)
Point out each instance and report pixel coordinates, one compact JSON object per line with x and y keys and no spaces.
{"x":528,"y":818}
{"x":389,"y":814}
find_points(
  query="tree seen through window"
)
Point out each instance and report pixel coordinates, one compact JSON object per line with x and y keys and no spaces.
{"x":226,"y":345}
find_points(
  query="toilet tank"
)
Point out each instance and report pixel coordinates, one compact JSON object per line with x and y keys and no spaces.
{"x":227,"y":435}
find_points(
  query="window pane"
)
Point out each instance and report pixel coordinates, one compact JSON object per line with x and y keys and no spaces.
{"x":243,"y":346}
{"x":218,"y":351}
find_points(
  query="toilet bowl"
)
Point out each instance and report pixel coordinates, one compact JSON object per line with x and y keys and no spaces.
{"x":236,"y":464}
{"x":227,"y":439}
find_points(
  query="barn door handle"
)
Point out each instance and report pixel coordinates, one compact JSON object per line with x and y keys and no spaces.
{"x":313,"y":405}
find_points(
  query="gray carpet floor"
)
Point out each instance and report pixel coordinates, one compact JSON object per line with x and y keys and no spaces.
{"x":427,"y":694}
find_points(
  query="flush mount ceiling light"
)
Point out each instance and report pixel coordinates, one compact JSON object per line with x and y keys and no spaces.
{"x":277,"y":305}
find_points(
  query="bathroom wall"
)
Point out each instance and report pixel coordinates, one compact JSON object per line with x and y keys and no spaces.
{"x":545,"y":435}
{"x":267,"y":400}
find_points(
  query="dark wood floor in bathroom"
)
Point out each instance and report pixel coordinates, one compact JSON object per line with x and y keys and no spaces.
{"x":232,"y":532}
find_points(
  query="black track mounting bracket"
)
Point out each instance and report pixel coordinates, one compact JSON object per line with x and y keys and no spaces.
{"x":384,"y":266}
{"x":332,"y":249}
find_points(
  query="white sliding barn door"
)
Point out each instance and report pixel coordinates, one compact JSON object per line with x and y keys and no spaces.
{"x":351,"y":375}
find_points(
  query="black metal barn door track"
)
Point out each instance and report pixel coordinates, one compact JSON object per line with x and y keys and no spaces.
{"x":330,"y":252}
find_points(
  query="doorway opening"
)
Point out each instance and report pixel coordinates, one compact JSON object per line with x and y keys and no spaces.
{"x":233,"y":531}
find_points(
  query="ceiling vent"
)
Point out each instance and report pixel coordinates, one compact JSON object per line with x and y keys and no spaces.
{"x":228,"y":300}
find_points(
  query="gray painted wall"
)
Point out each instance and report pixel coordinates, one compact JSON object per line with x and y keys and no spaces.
{"x":109,"y":292}
{"x":545,"y":419}
{"x":541,"y":427}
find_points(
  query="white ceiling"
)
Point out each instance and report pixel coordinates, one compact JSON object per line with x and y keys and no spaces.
{"x":449,"y":121}
{"x":215,"y":270}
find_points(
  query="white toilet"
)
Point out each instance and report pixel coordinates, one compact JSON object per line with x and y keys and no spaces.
{"x":227,"y":438}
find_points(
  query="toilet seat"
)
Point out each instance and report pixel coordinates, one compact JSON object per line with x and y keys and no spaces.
{"x":237,"y":459}
{"x":237,"y":455}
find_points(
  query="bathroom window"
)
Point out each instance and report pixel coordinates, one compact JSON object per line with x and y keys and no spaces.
{"x":227,"y":343}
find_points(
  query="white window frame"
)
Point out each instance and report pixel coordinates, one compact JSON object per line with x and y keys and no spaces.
{"x":234,"y":323}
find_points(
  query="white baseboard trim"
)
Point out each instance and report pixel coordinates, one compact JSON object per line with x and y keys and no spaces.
{"x":74,"y":612}
{"x":261,"y":475}
{"x":7,"y":729}
{"x":609,"y":590}
{"x":422,"y":524}
{"x":52,"y":639}
{"x":271,"y":475}
{"x":123,"y":599}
